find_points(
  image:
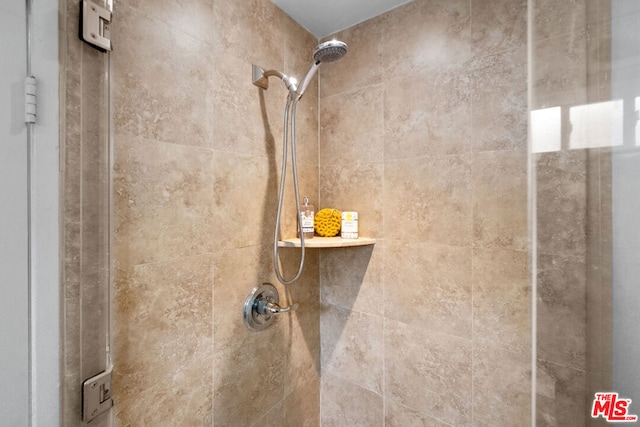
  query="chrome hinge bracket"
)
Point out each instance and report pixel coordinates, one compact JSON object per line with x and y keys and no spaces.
{"x":30,"y":99}
{"x":94,"y":25}
{"x":96,"y":396}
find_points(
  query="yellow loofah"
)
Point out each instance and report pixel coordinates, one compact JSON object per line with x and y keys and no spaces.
{"x":327,"y":222}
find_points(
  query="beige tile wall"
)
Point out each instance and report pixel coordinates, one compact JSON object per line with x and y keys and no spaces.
{"x":424,"y":132}
{"x":197,"y":156}
{"x":422,"y":129}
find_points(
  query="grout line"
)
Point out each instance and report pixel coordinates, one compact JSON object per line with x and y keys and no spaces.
{"x":472,"y":212}
{"x":383,"y":275}
{"x":532,"y":209}
{"x":473,"y":337}
{"x":213,"y":364}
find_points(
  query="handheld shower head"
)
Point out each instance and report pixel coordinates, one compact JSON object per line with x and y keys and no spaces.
{"x":330,"y":51}
{"x":325,"y":52}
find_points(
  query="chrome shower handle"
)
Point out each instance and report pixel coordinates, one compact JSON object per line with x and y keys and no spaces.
{"x":261,"y":306}
{"x":274,"y":308}
{"x":269,"y":306}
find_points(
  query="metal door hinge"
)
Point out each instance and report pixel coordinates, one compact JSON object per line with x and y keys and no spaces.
{"x":30,"y":105}
{"x":96,"y":396}
{"x":94,"y":25}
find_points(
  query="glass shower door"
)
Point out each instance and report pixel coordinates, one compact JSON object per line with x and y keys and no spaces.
{"x":585,"y":192}
{"x":625,"y":201}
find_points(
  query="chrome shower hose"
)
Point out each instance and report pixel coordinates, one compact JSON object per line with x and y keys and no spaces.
{"x":291,"y":103}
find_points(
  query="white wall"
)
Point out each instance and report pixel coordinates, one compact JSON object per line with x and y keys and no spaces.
{"x":29,"y":348}
{"x":45,"y":271}
{"x":14,"y":324}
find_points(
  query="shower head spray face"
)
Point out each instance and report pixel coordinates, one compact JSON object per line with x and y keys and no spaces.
{"x":325,"y":52}
{"x":330,"y":51}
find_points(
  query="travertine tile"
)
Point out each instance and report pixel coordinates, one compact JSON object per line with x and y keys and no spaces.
{"x":598,"y":11}
{"x":501,"y":314}
{"x":599,"y":62}
{"x":428,"y":285}
{"x":499,"y":101}
{"x":606,"y":195}
{"x":561,"y":396}
{"x":596,"y":182}
{"x":497,"y":26}
{"x":163,"y":202}
{"x":93,"y":321}
{"x":157,"y":405}
{"x":555,"y":17}
{"x":191,"y":17}
{"x":298,"y":57}
{"x":599,"y":271}
{"x":427,"y":34}
{"x":500,"y":200}
{"x":352,"y":129}
{"x":501,"y":387}
{"x":437,"y":381}
{"x":224,"y":200}
{"x":355,"y":189}
{"x":428,"y":200}
{"x":398,"y":415}
{"x":94,"y":113}
{"x":562,"y":202}
{"x":164,"y":343}
{"x":71,"y":410}
{"x":249,"y":121}
{"x":559,"y":71}
{"x":302,"y":405}
{"x":240,"y":379}
{"x":73,"y":130}
{"x":152,"y":96}
{"x":427,"y":114}
{"x":308,"y":187}
{"x":178,"y":87}
{"x":351,"y":278}
{"x":285,"y":355}
{"x":345,"y":403}
{"x":351,"y":346}
{"x":72,"y":271}
{"x":274,"y":418}
{"x":245,"y":118}
{"x":307,"y":135}
{"x":562,"y":315}
{"x":236,"y":273}
{"x":245,"y":197}
{"x":252,"y":30}
{"x":245,"y":362}
{"x":72,"y":337}
{"x":604,"y":335}
{"x":355,"y":70}
{"x":72,"y":54}
{"x":595,"y":382}
{"x":302,"y":330}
